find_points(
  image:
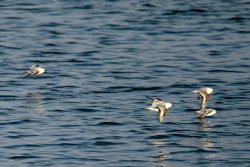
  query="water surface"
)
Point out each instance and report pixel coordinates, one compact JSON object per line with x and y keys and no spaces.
{"x":102,"y":58}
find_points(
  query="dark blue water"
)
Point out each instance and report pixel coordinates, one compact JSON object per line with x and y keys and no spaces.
{"x":102,"y":58}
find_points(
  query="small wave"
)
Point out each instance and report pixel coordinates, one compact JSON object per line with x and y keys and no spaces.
{"x":88,"y":53}
{"x":215,"y":53}
{"x":18,"y":146}
{"x":149,"y":5}
{"x":9,"y":97}
{"x":243,"y":31}
{"x":88,"y":6}
{"x":50,"y":44}
{"x":144,"y":88}
{"x":86,"y":110}
{"x":158,"y":137}
{"x":180,"y":85}
{"x":10,"y":47}
{"x":53,"y":52}
{"x":117,"y":89}
{"x":23,"y":157}
{"x":190,"y":110}
{"x":148,"y":128}
{"x":225,"y":71}
{"x":13,"y":18}
{"x":238,"y":19}
{"x":196,"y":10}
{"x":66,"y":86}
{"x":189,"y":11}
{"x":185,"y":135}
{"x":16,"y":122}
{"x":192,"y":151}
{"x":68,"y":144}
{"x":109,"y":123}
{"x":51,"y":24}
{"x":244,"y":123}
{"x":107,"y":143}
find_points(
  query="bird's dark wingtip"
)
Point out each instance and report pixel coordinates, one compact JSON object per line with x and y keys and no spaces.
{"x":149,"y":97}
{"x":26,"y":76}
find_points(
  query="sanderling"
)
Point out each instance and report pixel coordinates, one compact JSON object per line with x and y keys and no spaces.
{"x":35,"y":70}
{"x":160,"y":106}
{"x":206,"y":112}
{"x":203,"y":95}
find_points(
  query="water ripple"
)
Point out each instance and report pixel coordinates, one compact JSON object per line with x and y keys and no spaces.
{"x":102,"y":58}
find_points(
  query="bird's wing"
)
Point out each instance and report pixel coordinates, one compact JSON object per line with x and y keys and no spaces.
{"x":31,"y":73}
{"x":207,"y":97}
{"x":162,"y":113}
{"x":203,"y":100}
{"x":152,"y":108}
{"x":205,"y":113}
{"x":202,"y":115}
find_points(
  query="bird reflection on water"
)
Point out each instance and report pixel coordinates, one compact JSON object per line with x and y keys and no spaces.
{"x":206,"y":143}
{"x":205,"y":125}
{"x":37,"y":99}
{"x":159,"y":143}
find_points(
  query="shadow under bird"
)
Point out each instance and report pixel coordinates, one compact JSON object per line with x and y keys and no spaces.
{"x":160,"y":106}
{"x":35,"y":70}
{"x":203,"y":96}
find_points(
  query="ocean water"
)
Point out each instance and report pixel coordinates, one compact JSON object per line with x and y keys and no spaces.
{"x":102,"y":59}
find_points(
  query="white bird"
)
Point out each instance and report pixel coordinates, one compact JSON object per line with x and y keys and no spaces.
{"x":35,"y":70}
{"x":159,"y":106}
{"x":204,"y":94}
{"x":206,"y":112}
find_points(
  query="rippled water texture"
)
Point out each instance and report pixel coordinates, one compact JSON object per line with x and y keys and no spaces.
{"x":102,"y":58}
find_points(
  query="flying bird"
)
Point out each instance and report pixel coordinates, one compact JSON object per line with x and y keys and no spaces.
{"x":203,"y":95}
{"x":206,"y":112}
{"x":160,"y":106}
{"x":35,"y":70}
